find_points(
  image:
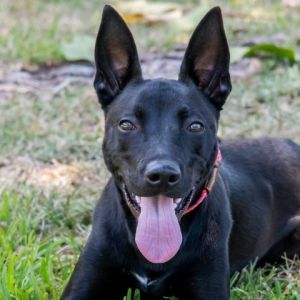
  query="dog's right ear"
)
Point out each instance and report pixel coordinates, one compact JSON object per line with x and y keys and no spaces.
{"x":116,"y":57}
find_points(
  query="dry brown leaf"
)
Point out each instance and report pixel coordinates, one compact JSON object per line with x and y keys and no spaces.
{"x":56,"y":175}
{"x":141,"y":11}
{"x":134,"y":18}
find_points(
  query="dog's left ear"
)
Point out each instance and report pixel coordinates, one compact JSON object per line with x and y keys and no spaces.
{"x":206,"y":60}
{"x":116,"y":57}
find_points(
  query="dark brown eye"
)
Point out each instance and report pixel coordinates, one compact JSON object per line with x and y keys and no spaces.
{"x":126,"y":125}
{"x":195,"y":127}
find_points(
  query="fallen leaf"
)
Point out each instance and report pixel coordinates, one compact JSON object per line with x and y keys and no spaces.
{"x":57,"y":175}
{"x":134,"y":18}
{"x":273,"y":50}
{"x":141,"y":11}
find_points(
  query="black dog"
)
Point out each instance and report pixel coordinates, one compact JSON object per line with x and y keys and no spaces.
{"x":150,"y":229}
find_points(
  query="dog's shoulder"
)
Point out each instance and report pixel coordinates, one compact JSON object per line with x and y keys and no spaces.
{"x":260,"y":148}
{"x":266,"y":158}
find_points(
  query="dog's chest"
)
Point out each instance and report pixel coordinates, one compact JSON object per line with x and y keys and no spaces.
{"x":151,"y":284}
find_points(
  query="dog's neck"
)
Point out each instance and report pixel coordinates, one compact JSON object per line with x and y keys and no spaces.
{"x":208,"y":185}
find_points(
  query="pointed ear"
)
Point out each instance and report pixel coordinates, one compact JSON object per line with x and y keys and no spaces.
{"x":206,"y":60}
{"x":116,"y":57}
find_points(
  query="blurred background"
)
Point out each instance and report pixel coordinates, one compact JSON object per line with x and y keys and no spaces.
{"x":51,"y":125}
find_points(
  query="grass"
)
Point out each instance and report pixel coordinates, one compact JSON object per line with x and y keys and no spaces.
{"x":39,"y":236}
{"x":270,"y":283}
{"x":264,"y":105}
{"x":33,"y":126}
{"x":51,"y":167}
{"x":47,"y":25}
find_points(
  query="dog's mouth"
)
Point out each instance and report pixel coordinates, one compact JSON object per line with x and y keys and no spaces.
{"x":134,"y":202}
{"x":158,"y":234}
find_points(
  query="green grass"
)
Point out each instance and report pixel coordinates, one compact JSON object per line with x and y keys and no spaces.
{"x":270,"y":283}
{"x":43,"y":227}
{"x":40,"y":238}
{"x":33,"y":125}
{"x":264,"y":105}
{"x":35,"y":30}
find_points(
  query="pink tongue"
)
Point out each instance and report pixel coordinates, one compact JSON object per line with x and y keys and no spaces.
{"x":158,"y":234}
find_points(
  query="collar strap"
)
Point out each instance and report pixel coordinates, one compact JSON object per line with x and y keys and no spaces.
{"x":209,"y":183}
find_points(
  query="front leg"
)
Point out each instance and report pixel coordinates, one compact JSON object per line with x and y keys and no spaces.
{"x":206,"y":285}
{"x":93,"y":279}
{"x":208,"y":278}
{"x":145,"y":296}
{"x":99,"y":272}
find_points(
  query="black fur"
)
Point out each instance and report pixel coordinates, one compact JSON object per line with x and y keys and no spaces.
{"x":253,"y":210}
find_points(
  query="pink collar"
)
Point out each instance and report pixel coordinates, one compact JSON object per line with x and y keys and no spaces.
{"x":209,"y":184}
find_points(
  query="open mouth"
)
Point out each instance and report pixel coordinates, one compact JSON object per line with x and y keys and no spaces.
{"x":158,"y":234}
{"x":133,"y":201}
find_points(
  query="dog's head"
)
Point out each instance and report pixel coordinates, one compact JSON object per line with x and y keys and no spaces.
{"x":160,"y":139}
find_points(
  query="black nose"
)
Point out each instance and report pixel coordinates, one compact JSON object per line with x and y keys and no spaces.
{"x":162,"y":173}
